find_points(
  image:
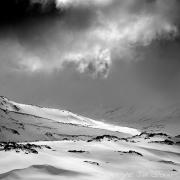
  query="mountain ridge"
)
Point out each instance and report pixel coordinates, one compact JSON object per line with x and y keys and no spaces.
{"x":20,"y":122}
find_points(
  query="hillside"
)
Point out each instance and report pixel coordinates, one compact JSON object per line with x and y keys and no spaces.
{"x":20,"y":122}
{"x":145,"y":118}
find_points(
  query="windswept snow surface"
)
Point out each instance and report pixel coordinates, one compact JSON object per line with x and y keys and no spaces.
{"x":62,"y":116}
{"x":101,"y":160}
{"x":80,"y":148}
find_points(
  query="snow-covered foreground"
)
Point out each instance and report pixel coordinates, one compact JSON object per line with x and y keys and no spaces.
{"x":101,"y":160}
{"x":81,"y":148}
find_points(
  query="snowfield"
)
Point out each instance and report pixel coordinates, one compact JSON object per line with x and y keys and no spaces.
{"x":38,"y":143}
{"x":104,"y":160}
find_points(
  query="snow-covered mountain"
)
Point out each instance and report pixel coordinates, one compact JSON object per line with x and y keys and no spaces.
{"x":146,"y":118}
{"x":20,"y":122}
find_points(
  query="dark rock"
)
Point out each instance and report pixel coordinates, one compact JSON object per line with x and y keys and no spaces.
{"x":34,"y":151}
{"x":131,"y":152}
{"x":167,"y":141}
{"x":167,"y":162}
{"x":93,"y":163}
{"x":99,"y":138}
{"x":27,"y":148}
{"x":76,"y":151}
{"x":178,"y":136}
{"x":49,"y":134}
{"x":178,"y":143}
{"x":47,"y":147}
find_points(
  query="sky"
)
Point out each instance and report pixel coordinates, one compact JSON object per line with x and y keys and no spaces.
{"x":86,"y":55}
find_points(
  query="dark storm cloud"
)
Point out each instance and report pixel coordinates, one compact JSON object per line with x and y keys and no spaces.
{"x":17,"y":11}
{"x":49,"y":35}
{"x":133,"y":44}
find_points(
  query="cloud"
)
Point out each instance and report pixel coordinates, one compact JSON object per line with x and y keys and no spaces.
{"x":17,"y":11}
{"x":90,"y":35}
{"x":96,"y":62}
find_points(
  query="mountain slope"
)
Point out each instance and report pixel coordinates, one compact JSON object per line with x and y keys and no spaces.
{"x":20,"y":122}
{"x":146,"y":118}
